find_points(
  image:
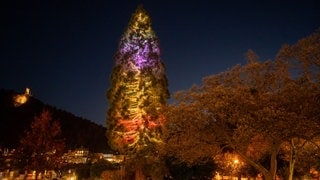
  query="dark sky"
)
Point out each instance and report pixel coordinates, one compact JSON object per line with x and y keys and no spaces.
{"x":63,"y":49}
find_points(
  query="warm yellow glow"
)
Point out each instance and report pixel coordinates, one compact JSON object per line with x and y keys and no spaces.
{"x":236,"y":161}
{"x":142,"y":19}
{"x":27,"y":91}
{"x":21,"y":99}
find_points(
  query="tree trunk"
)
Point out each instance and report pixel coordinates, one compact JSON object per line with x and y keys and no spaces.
{"x":292,"y":160}
{"x":273,"y":160}
{"x":272,"y":173}
{"x":257,"y":166}
{"x":139,"y":174}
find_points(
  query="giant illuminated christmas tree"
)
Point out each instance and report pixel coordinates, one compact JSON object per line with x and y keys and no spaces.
{"x":139,"y":88}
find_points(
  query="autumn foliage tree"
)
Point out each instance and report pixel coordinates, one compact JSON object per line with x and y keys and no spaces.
{"x":304,"y":58}
{"x":42,"y":145}
{"x":254,"y":110}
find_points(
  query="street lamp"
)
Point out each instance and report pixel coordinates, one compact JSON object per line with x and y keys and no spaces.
{"x":236,"y":161}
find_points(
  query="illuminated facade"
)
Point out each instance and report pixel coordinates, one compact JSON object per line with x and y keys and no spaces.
{"x":21,"y":99}
{"x":139,"y":88}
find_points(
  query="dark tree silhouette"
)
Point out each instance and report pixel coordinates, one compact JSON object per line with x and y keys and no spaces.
{"x":42,"y":145}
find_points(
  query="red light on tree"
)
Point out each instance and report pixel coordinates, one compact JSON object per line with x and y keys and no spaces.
{"x":139,"y":88}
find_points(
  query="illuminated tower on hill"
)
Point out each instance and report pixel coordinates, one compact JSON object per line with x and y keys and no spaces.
{"x":139,"y":88}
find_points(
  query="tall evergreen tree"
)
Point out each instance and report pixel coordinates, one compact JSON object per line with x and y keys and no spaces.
{"x":139,"y":88}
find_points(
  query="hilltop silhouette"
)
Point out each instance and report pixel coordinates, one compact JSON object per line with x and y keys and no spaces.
{"x":78,"y":132}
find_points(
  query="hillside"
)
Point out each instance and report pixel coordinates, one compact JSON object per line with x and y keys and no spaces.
{"x":77,"y":131}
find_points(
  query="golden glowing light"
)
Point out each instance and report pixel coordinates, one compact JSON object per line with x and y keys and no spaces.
{"x":236,"y":161}
{"x":21,"y":99}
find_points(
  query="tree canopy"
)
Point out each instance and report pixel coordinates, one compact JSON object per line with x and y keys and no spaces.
{"x":253,"y":110}
{"x":42,"y":145}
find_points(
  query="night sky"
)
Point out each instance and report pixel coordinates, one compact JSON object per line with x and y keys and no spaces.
{"x":63,"y":49}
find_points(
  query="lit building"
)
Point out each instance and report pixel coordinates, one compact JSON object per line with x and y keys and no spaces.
{"x":21,"y":99}
{"x":77,"y":156}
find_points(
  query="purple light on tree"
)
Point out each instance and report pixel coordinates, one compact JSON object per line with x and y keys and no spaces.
{"x":139,"y":88}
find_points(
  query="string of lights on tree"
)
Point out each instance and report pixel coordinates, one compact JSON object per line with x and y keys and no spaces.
{"x":139,"y":88}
